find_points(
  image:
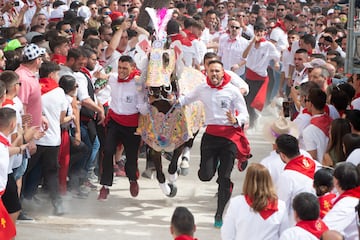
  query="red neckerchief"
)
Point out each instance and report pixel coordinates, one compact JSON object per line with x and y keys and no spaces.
{"x":261,"y":40}
{"x":86,"y":72}
{"x":178,"y":37}
{"x":131,"y":76}
{"x":357,"y":95}
{"x":355,"y":192}
{"x":59,"y":59}
{"x":226,"y":80}
{"x":8,"y":101}
{"x":326,"y":204}
{"x":303,"y":165}
{"x":281,"y":25}
{"x":322,"y":122}
{"x":310,"y":52}
{"x":306,"y":111}
{"x":315,"y":227}
{"x":47,"y":84}
{"x":269,"y":210}
{"x":120,"y":51}
{"x":289,"y":48}
{"x":4,"y":141}
{"x":185,"y":237}
{"x":190,"y":35}
{"x":203,"y":72}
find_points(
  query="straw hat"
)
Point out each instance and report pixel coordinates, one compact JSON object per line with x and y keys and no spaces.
{"x":278,"y":127}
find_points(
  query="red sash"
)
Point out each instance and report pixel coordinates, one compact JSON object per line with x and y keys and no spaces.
{"x":326,"y":204}
{"x":47,"y":84}
{"x":7,"y":227}
{"x":131,"y":76}
{"x":226,"y":80}
{"x":59,"y":59}
{"x":259,"y":100}
{"x":355,"y":192}
{"x":322,"y":122}
{"x":236,"y":135}
{"x":269,"y":210}
{"x":303,"y":165}
{"x":315,"y":227}
{"x":125,"y":120}
{"x":185,"y":237}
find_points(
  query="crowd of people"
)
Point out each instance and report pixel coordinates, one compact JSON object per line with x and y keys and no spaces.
{"x":71,"y":105}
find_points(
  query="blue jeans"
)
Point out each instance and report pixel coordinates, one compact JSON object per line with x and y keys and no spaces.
{"x":94,"y":146}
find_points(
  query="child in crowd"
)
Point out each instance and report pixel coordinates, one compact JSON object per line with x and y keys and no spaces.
{"x":323,"y":184}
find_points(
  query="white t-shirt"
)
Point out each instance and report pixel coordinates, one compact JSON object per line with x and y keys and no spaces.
{"x":4,"y":164}
{"x":241,"y":222}
{"x":297,"y":233}
{"x":53,"y":103}
{"x":342,"y":218}
{"x":354,"y":157}
{"x":280,"y":37}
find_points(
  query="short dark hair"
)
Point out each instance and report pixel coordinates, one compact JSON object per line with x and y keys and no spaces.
{"x":67,"y":83}
{"x":346,"y":175}
{"x":183,"y":221}
{"x":126,"y":58}
{"x":47,"y":68}
{"x":216,"y":61}
{"x":209,"y":55}
{"x":323,"y":178}
{"x":290,"y":17}
{"x":56,"y":42}
{"x":259,"y":26}
{"x":172,"y":27}
{"x":307,"y":207}
{"x":309,"y":39}
{"x":354,"y":118}
{"x":302,"y":50}
{"x":317,"y":97}
{"x":287,"y":145}
{"x":75,"y":53}
{"x":351,"y":141}
{"x":6,"y":116}
{"x":9,"y":78}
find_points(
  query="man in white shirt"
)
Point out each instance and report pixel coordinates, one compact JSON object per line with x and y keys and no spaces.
{"x":225,"y":112}
{"x":354,"y":118}
{"x":298,"y":173}
{"x":123,"y":116}
{"x":231,"y":49}
{"x":316,"y":135}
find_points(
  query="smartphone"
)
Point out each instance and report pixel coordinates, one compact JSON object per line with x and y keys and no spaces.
{"x":16,"y":4}
{"x":286,"y":108}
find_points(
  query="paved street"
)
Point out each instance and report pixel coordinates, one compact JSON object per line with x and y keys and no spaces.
{"x":143,"y":218}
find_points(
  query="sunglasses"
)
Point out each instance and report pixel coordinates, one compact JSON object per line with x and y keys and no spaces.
{"x":220,"y":7}
{"x":239,"y":15}
{"x":281,"y":9}
{"x":320,"y":44}
{"x":69,"y":30}
{"x":235,"y":27}
{"x":107,"y":13}
{"x":319,"y":24}
{"x":125,"y":5}
{"x":292,"y":3}
{"x":18,"y":83}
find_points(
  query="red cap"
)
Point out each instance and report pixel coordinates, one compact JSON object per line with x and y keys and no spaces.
{"x":115,"y":15}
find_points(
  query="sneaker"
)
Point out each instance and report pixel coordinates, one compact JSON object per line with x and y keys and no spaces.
{"x":218,"y":222}
{"x":23,"y":217}
{"x":119,"y":171}
{"x":103,"y":194}
{"x":58,"y":207}
{"x":90,"y":185}
{"x":134,"y":188}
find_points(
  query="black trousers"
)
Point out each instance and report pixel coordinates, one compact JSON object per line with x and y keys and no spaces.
{"x":115,"y":134}
{"x":43,"y":163}
{"x":218,"y":153}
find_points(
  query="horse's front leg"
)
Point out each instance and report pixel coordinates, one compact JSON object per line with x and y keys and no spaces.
{"x":156,"y":159}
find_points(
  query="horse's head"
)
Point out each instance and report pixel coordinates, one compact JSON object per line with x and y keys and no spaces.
{"x":161,"y":78}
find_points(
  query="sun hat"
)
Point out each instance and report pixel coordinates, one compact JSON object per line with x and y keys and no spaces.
{"x":280,"y":126}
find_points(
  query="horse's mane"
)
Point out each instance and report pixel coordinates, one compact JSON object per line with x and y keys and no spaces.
{"x":143,"y":18}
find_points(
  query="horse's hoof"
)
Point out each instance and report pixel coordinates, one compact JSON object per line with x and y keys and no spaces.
{"x":173,"y":190}
{"x":165,"y":188}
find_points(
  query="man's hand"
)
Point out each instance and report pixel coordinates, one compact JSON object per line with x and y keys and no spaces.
{"x":231,"y":117}
{"x":44,"y":123}
{"x":101,"y":117}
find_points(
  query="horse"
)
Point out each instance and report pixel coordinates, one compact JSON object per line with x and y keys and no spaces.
{"x":167,"y":126}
